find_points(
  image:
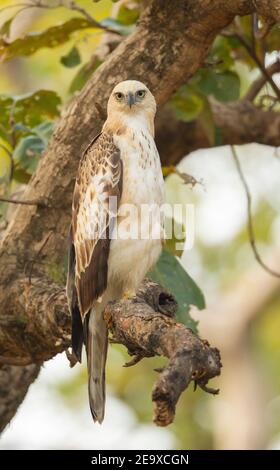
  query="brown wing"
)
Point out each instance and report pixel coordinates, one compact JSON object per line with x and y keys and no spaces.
{"x":99,"y":181}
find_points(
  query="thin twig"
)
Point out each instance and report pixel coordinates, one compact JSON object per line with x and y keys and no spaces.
{"x":255,"y":58}
{"x":35,"y":202}
{"x":258,"y":84}
{"x":250,"y":227}
{"x":71,"y":6}
{"x":263,"y":32}
{"x":211,"y":63}
{"x":254,"y":29}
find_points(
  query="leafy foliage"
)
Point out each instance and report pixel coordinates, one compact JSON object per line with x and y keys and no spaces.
{"x":191,"y":100}
{"x":28,"y":110}
{"x":224,"y":86}
{"x":128,"y":15}
{"x":174,"y":243}
{"x":187,"y":104}
{"x":27,"y":152}
{"x":32,"y":42}
{"x":29,"y":148}
{"x":26,"y":124}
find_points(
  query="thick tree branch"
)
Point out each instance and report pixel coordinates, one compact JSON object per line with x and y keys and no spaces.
{"x":147,"y":333}
{"x":40,"y":325}
{"x":14,"y":384}
{"x":145,"y":325}
{"x":269,"y":9}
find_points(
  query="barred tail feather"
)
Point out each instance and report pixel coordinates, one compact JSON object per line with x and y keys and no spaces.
{"x":96,"y":344}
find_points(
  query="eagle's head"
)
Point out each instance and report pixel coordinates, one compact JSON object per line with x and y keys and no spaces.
{"x":132,"y":97}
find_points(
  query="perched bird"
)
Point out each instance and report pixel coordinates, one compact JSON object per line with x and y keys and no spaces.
{"x":121,"y":164}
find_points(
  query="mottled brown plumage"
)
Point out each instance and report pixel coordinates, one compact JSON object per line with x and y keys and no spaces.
{"x":100,"y":177}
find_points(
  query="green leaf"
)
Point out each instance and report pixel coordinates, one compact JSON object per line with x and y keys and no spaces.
{"x":21,"y":128}
{"x":72,"y":59}
{"x":44,"y":131}
{"x":174,"y":244}
{"x":84,"y":74}
{"x":224,"y":86}
{"x":272,"y":39}
{"x":27,"y":152}
{"x":5,"y":106}
{"x":4,"y":133}
{"x":21,"y":176}
{"x":221,"y":54}
{"x":30,"y":148}
{"x":27,"y":112}
{"x":32,"y":108}
{"x":169,"y":273}
{"x":128,"y":16}
{"x":187,"y":104}
{"x":117,"y":26}
{"x":5,"y":28}
{"x":50,"y":37}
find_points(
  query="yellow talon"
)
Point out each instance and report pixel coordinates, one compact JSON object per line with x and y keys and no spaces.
{"x":128,"y":294}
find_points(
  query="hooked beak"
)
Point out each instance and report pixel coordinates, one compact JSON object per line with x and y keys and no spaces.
{"x":130,"y":99}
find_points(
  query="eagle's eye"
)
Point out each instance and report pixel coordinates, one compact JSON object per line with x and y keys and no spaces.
{"x":119,"y":96}
{"x":140,"y":94}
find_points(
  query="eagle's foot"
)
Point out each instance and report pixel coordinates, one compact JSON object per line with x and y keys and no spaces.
{"x":137,"y":358}
{"x":128,"y":294}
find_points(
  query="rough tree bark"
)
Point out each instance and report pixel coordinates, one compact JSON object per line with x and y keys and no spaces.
{"x":14,"y":384}
{"x":146,"y":326}
{"x":181,"y":33}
